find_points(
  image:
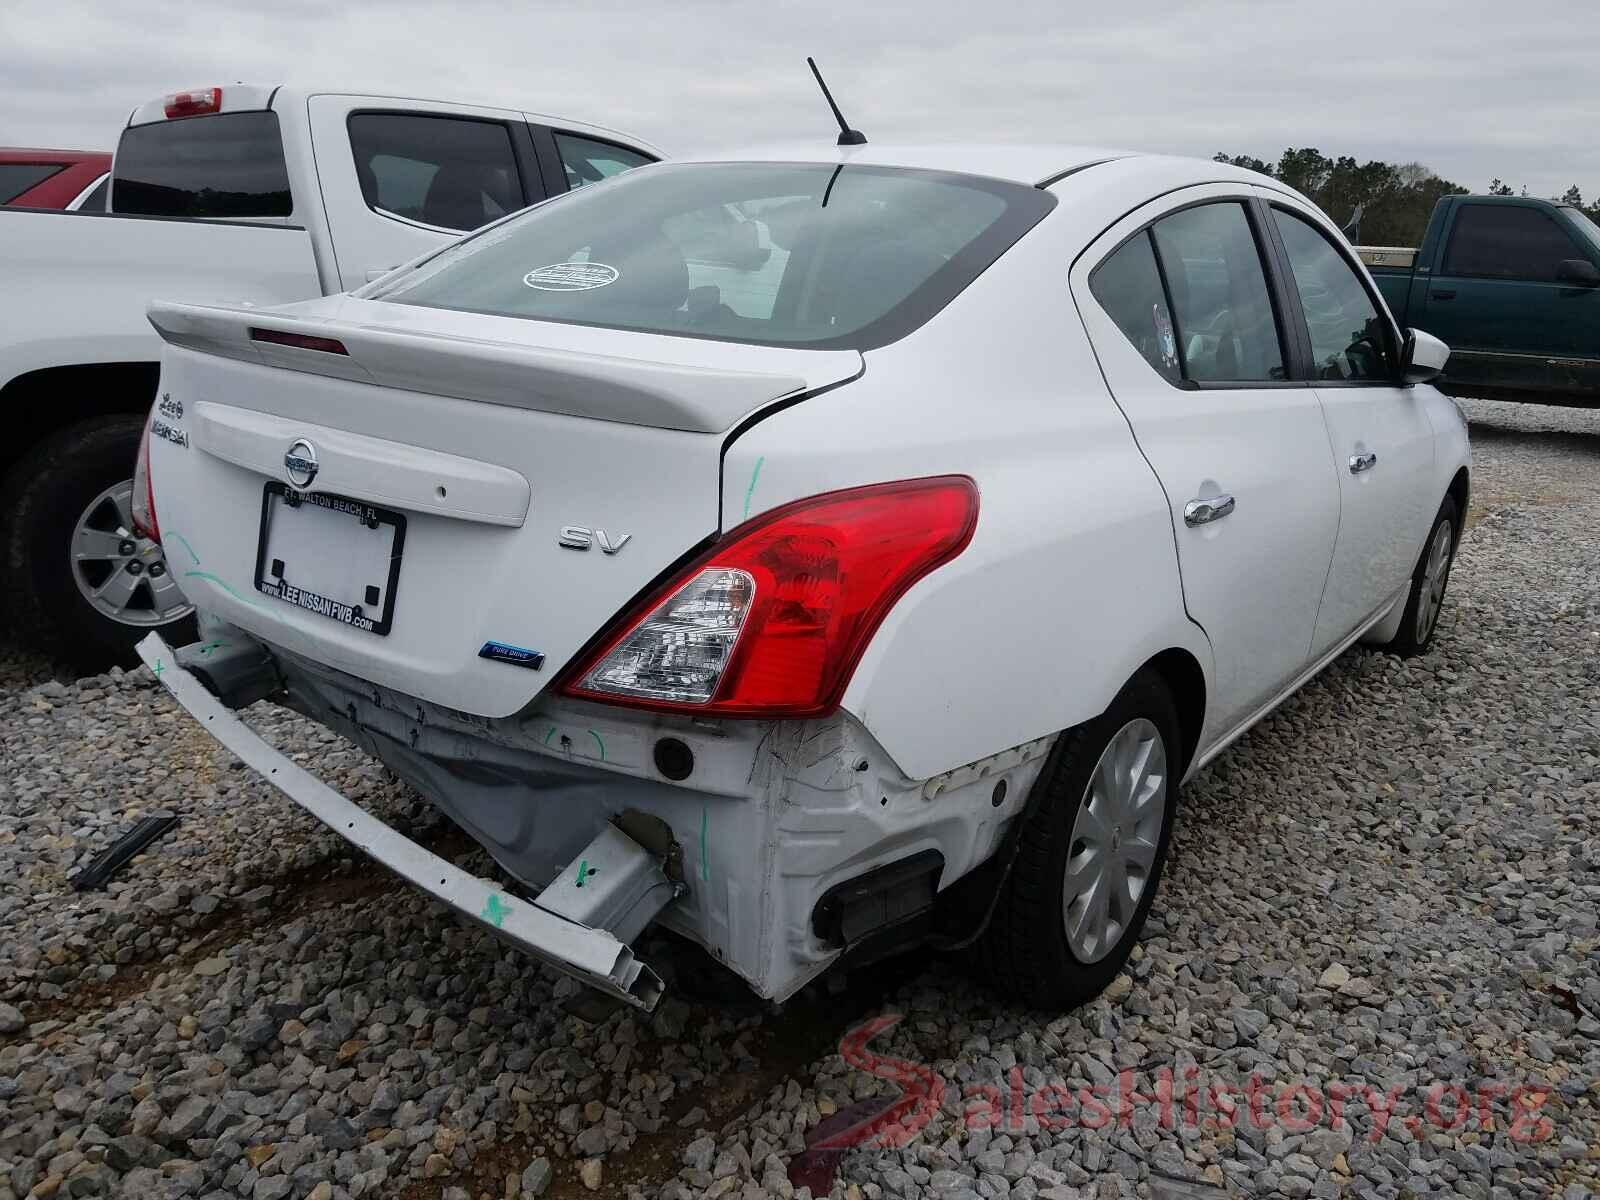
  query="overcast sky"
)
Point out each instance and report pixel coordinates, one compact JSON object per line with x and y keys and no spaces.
{"x":1473,"y":88}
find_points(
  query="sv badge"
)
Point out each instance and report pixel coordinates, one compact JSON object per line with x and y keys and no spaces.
{"x":576,"y":537}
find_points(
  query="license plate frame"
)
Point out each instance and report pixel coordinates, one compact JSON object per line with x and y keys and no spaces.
{"x":281,"y":588}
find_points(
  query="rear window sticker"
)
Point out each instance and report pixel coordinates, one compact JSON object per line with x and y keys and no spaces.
{"x":571,"y":277}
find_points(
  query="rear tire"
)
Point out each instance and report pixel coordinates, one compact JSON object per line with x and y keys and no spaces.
{"x":66,"y":499}
{"x":1040,"y":946}
{"x":1428,"y":583}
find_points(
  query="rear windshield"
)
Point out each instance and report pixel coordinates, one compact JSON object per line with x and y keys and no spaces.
{"x":16,"y":178}
{"x":781,"y":254}
{"x":219,"y":165}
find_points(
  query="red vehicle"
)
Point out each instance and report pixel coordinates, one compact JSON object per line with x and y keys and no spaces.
{"x":70,"y":179}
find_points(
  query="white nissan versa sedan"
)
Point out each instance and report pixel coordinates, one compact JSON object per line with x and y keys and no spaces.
{"x":809,"y":551}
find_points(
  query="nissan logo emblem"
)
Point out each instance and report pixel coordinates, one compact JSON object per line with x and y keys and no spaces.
{"x":300,"y":464}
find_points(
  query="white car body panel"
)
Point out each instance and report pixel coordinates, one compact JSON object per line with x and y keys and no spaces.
{"x":79,"y":284}
{"x":1081,"y":569}
{"x":1268,"y":448}
{"x":997,"y":402}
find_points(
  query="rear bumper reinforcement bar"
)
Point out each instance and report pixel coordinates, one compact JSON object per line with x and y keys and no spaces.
{"x":593,"y":956}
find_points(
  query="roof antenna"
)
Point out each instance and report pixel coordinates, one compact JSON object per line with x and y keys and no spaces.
{"x":847,"y":136}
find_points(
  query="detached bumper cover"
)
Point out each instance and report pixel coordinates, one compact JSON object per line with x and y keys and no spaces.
{"x":593,"y":956}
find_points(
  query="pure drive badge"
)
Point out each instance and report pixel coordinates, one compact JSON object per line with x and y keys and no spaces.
{"x":516,"y":656}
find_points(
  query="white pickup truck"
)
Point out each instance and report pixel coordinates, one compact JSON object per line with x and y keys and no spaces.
{"x":238,"y":194}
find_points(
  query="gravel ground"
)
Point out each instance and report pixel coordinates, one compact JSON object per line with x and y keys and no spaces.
{"x":1385,"y":893}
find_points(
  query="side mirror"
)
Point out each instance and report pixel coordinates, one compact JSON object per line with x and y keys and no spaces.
{"x":1423,"y":358}
{"x":1579,"y":271}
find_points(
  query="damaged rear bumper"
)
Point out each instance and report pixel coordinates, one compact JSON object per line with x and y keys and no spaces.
{"x":596,"y":957}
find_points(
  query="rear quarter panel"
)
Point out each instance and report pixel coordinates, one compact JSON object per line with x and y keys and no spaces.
{"x":1070,"y":582}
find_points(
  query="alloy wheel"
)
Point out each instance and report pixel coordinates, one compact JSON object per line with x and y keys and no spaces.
{"x":121,"y":574}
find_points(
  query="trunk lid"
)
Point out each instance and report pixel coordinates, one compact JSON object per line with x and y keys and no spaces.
{"x":471,"y":449}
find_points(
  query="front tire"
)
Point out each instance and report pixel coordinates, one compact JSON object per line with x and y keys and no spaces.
{"x":1428,"y":583}
{"x":84,"y":587}
{"x":1091,"y":853}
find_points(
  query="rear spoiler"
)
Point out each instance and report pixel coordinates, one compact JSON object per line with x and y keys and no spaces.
{"x":635,"y":391}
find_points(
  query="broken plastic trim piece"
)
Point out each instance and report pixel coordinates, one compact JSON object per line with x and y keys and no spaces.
{"x":112,"y":859}
{"x":593,"y":956}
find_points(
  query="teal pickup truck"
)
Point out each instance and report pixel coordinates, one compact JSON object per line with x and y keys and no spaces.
{"x":1512,"y":285}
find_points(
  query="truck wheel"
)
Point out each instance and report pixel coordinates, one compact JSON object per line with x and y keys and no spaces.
{"x":1089,"y":859}
{"x":82,"y":585}
{"x":1428,"y":583}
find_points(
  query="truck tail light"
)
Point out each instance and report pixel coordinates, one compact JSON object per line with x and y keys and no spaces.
{"x":193,"y":102}
{"x":143,"y":501}
{"x":771,"y":621}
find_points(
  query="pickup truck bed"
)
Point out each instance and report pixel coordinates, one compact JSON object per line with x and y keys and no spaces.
{"x":80,"y":266}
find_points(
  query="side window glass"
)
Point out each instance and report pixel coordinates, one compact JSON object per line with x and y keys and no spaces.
{"x":1225,"y":325}
{"x":1507,"y":241}
{"x":16,"y":178}
{"x":588,"y":161}
{"x":1128,"y":287}
{"x":1349,"y":338}
{"x":95,"y":201}
{"x":453,"y":172}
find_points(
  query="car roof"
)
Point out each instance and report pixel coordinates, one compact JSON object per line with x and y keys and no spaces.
{"x":1034,"y":164}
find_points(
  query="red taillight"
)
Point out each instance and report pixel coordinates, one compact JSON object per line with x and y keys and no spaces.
{"x":143,"y":500}
{"x":773,"y":619}
{"x":301,"y":341}
{"x":193,"y":102}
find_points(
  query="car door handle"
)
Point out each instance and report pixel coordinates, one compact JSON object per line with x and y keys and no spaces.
{"x":1446,"y":294}
{"x":1203,"y":512}
{"x":1362,"y":462}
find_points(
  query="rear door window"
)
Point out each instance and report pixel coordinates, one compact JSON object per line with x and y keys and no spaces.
{"x":1128,"y":287}
{"x":586,"y":160}
{"x":449,"y":172}
{"x":219,"y":165}
{"x":16,"y":178}
{"x":1507,"y":241}
{"x":1227,"y":330}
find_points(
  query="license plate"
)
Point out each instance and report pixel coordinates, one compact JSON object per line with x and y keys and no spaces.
{"x":330,"y":555}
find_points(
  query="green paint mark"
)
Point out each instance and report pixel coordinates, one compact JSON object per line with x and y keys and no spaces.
{"x":210,"y":646}
{"x":186,"y":546}
{"x":705,"y":866}
{"x":158,"y":668}
{"x":549,"y":735}
{"x":599,"y":743}
{"x":223,"y":584}
{"x":494,"y":911}
{"x":583,"y":870}
{"x":751,"y":490}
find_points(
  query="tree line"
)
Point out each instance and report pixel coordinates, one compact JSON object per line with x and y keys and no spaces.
{"x":1395,"y":199}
